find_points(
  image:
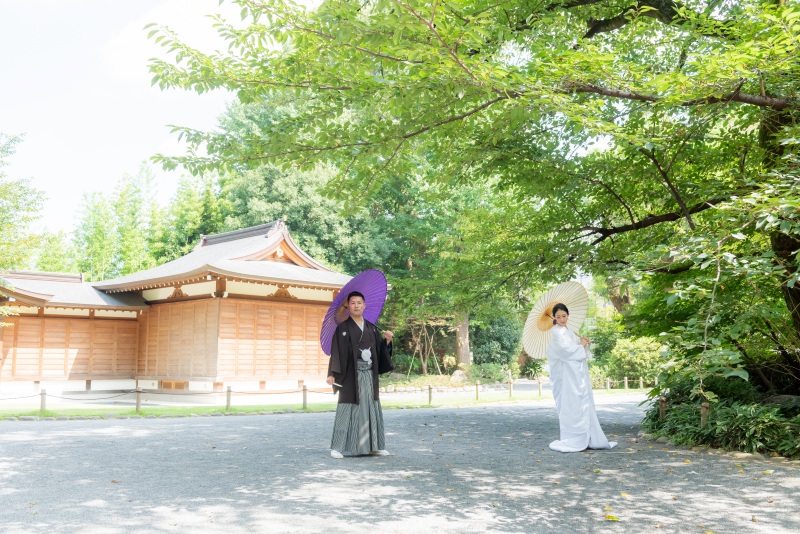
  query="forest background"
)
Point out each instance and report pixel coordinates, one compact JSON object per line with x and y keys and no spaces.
{"x":478,"y":152}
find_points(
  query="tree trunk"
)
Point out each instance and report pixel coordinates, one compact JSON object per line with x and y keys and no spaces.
{"x":462,"y":339}
{"x":785,"y":248}
{"x":621,"y":302}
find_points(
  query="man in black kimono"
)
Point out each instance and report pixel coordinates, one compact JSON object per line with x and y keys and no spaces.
{"x":356,"y":349}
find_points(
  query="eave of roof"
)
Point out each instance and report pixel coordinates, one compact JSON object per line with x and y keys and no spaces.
{"x":225,"y":256}
{"x":38,"y":289}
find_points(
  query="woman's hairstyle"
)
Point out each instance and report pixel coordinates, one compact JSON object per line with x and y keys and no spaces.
{"x":355,"y":294}
{"x":559,"y":307}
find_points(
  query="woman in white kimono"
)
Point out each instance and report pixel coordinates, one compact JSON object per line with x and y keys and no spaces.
{"x":572,"y":389}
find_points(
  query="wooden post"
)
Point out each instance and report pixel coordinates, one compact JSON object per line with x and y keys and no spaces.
{"x":510,"y":389}
{"x":539,"y":380}
{"x":477,"y":390}
{"x":43,"y":400}
{"x":305,"y":396}
{"x":662,"y":408}
{"x":704,"y":415}
{"x":430,"y":394}
{"x":608,"y":383}
{"x":641,"y":383}
{"x":138,"y":399}
{"x":626,"y":382}
{"x":228,"y":400}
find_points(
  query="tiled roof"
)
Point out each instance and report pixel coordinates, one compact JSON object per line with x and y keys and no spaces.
{"x":220,"y":254}
{"x":64,"y":290}
{"x":234,"y":255}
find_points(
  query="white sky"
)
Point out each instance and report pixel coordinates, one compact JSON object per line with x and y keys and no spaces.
{"x":74,"y":81}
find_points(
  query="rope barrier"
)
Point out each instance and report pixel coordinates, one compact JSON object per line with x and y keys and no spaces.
{"x":100,"y":398}
{"x":17,"y":398}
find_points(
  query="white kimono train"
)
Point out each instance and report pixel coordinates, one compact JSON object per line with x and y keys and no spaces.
{"x":572,"y":390}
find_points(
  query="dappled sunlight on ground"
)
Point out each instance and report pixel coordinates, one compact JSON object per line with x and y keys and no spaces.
{"x":471,"y":469}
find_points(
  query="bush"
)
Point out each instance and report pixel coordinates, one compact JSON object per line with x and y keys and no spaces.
{"x":404,"y":363}
{"x":532,"y":368}
{"x":604,"y":335}
{"x":597,"y":374}
{"x":488,"y":372}
{"x":497,"y":342}
{"x":732,"y":389}
{"x":634,"y":358}
{"x":731,"y":425}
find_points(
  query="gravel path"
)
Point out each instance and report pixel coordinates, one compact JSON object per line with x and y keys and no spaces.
{"x":474,"y":469}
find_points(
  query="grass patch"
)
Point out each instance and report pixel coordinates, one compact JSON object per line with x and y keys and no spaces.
{"x":404,"y":400}
{"x":417,"y":381}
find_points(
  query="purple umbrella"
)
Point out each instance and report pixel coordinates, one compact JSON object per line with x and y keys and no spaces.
{"x":370,"y":283}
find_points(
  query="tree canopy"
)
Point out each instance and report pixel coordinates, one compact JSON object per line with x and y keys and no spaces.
{"x":20,"y":204}
{"x":628,"y":139}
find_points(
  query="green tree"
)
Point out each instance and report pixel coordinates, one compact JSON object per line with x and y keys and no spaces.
{"x":343,"y":234}
{"x":56,"y":253}
{"x":634,"y":358}
{"x":497,"y":341}
{"x":20,"y":205}
{"x":193,"y":212}
{"x":631,"y":140}
{"x":96,"y":239}
{"x":134,"y":207}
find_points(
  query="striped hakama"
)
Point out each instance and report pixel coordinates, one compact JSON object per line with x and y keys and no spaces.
{"x":358,"y":428}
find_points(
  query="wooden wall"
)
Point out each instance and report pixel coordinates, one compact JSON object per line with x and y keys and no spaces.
{"x":261,"y":340}
{"x":209,"y":339}
{"x":178,"y":340}
{"x":52,"y":348}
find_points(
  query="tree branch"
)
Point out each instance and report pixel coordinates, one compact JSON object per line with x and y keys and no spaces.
{"x":675,"y":193}
{"x":432,"y":28}
{"x":650,"y":220}
{"x":615,"y":195}
{"x":733,"y":96}
{"x":664,"y":11}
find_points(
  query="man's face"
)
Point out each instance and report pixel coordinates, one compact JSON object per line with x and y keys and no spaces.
{"x":356,"y":306}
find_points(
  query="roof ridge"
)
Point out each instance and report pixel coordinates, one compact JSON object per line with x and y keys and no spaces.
{"x":44,"y":276}
{"x":253,"y":231}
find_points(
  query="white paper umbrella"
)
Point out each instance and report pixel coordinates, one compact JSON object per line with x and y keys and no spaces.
{"x":536,"y":334}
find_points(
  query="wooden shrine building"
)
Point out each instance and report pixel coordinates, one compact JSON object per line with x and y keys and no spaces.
{"x":244,"y":308}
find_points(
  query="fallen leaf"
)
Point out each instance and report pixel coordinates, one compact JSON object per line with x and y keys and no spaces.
{"x":659,"y":525}
{"x":607,"y":508}
{"x":767,"y":471}
{"x":115,"y":481}
{"x":624,"y":494}
{"x":674,"y":498}
{"x":554,"y":483}
{"x":669,"y":470}
{"x":687,"y":461}
{"x":769,"y":500}
{"x":598,"y":471}
{"x":753,"y":519}
{"x":610,"y":517}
